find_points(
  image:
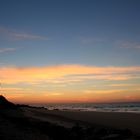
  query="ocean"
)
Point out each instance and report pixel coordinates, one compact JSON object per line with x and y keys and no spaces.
{"x":133,"y":107}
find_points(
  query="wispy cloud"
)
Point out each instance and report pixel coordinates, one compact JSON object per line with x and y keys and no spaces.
{"x":11,"y":89}
{"x":3,"y":50}
{"x":110,"y":76}
{"x":17,"y":35}
{"x":125,"y":85}
{"x":22,"y":36}
{"x":130,"y":45}
{"x":107,"y":91}
{"x":119,"y":43}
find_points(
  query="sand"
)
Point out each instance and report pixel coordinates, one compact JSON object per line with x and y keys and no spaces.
{"x":68,"y":118}
{"x":32,"y":123}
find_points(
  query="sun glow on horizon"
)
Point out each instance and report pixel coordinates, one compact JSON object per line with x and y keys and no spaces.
{"x":71,"y":83}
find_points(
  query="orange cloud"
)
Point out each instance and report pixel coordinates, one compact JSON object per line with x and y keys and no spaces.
{"x":66,"y":72}
{"x":108,"y":91}
{"x":3,"y":89}
{"x":125,"y":85}
{"x":42,"y":79}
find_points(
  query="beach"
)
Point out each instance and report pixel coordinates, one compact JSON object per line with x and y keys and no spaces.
{"x":109,"y":119}
{"x":39,"y":123}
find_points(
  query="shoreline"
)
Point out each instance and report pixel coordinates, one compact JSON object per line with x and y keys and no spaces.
{"x":82,"y":110}
{"x":132,"y":107}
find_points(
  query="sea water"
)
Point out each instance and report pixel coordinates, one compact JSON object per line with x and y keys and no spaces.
{"x":101,"y":107}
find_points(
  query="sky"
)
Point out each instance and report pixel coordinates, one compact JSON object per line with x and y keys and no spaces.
{"x":70,"y":50}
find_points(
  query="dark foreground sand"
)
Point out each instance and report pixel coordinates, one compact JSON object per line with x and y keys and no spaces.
{"x":30,"y":123}
{"x":109,"y":119}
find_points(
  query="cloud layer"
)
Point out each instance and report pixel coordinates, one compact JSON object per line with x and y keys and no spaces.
{"x":67,"y":73}
{"x":69,"y":83}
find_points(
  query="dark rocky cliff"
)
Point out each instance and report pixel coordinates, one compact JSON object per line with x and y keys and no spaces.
{"x":4,"y":103}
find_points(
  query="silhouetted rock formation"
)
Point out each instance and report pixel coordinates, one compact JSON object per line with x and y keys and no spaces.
{"x":5,"y":104}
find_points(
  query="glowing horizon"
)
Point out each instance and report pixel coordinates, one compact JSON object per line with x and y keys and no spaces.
{"x":71,"y":83}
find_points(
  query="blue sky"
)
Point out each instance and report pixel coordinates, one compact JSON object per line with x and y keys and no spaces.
{"x":92,"y":32}
{"x":64,"y":45}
